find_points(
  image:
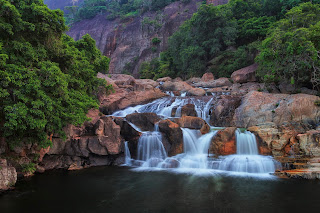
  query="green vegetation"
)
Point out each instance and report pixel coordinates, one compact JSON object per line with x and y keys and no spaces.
{"x":228,"y":37}
{"x":47,"y":80}
{"x":156,"y":41}
{"x":317,"y":103}
{"x":29,"y":168}
{"x":114,"y":8}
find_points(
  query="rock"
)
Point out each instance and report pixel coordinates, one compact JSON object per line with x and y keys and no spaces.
{"x":258,"y":107}
{"x":145,"y":84}
{"x":188,"y":110}
{"x":173,"y":134}
{"x":196,"y":92}
{"x":310,"y":143}
{"x":224,"y":143}
{"x":108,"y":79}
{"x":176,"y":86}
{"x":281,"y":140}
{"x":243,"y":89}
{"x":99,"y":160}
{"x":123,"y":80}
{"x":221,"y":82}
{"x":193,"y":123}
{"x":123,"y":99}
{"x":287,"y":88}
{"x":58,"y":146}
{"x":308,"y":91}
{"x":95,"y":147}
{"x":223,"y":110}
{"x":8,"y":175}
{"x":165,"y":79}
{"x":207,"y":77}
{"x":3,"y":145}
{"x":51,"y":162}
{"x":193,"y":80}
{"x":244,"y":75}
{"x":145,"y":121}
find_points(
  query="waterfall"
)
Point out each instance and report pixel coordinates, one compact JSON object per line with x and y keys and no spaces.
{"x":190,"y":138}
{"x":247,"y":158}
{"x":127,"y":154}
{"x":246,"y":143}
{"x":150,"y":146}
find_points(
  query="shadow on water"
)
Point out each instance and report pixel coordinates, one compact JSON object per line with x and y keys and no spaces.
{"x":123,"y":190}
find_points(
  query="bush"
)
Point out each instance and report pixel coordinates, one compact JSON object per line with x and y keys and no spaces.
{"x":156,"y":41}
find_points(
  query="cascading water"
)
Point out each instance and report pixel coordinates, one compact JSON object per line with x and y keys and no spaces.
{"x":247,"y":159}
{"x":127,"y":154}
{"x":150,"y":146}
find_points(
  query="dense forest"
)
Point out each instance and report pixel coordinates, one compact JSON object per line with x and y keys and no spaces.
{"x":48,"y":80}
{"x":281,"y":36}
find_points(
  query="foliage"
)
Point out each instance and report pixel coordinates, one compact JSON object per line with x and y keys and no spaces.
{"x":114,"y":8}
{"x":156,"y":41}
{"x":29,"y":168}
{"x":291,"y":52}
{"x":47,"y":80}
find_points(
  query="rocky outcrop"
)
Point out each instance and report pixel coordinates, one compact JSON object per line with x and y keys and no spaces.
{"x":188,"y":110}
{"x":223,"y":110}
{"x":244,"y":75}
{"x":193,"y":123}
{"x":173,"y":134}
{"x":145,"y":121}
{"x":207,"y":77}
{"x":82,"y":148}
{"x":258,"y":107}
{"x":220,"y":82}
{"x":8,"y":175}
{"x":224,"y":143}
{"x":310,"y":143}
{"x":129,"y":42}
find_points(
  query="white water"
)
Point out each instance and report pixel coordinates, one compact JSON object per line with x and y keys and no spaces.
{"x":127,"y":154}
{"x":150,"y":146}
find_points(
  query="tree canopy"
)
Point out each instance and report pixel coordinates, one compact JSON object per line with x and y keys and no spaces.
{"x":47,"y":80}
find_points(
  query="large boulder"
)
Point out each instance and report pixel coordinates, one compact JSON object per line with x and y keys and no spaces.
{"x":123,"y":80}
{"x":165,"y":79}
{"x":8,"y":175}
{"x":173,"y":134}
{"x":145,"y":84}
{"x":224,"y":143}
{"x":176,"y":86}
{"x":258,"y":107}
{"x":223,"y":110}
{"x":145,"y":121}
{"x":310,"y":143}
{"x":221,"y":82}
{"x":188,"y":110}
{"x":193,"y":123}
{"x":108,"y":79}
{"x":207,"y":77}
{"x":196,"y":92}
{"x":244,"y":75}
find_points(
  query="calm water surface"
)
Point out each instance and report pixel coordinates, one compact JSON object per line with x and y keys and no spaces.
{"x":123,"y":190}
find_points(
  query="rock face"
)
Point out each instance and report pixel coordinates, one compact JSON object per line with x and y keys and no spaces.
{"x":193,"y":123}
{"x":257,"y":108}
{"x":8,"y":175}
{"x":188,"y":110}
{"x":310,"y":143}
{"x":244,"y":75}
{"x":224,"y":109}
{"x":224,"y":143}
{"x":207,"y":77}
{"x":145,"y":121}
{"x":99,"y":140}
{"x":220,"y":82}
{"x":129,"y":42}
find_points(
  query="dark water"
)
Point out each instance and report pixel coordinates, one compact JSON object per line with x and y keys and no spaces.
{"x":122,"y":190}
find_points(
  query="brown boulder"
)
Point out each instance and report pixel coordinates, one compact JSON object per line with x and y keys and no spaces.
{"x":196,"y":92}
{"x":221,"y":82}
{"x":258,"y":107}
{"x":123,"y":80}
{"x":108,"y":79}
{"x":145,"y":121}
{"x":173,"y":134}
{"x":244,"y":75}
{"x":224,"y":109}
{"x":224,"y":143}
{"x":193,"y":123}
{"x":176,"y":86}
{"x":145,"y":84}
{"x":207,"y":77}
{"x":188,"y":110}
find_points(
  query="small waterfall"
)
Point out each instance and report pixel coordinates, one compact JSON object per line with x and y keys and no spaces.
{"x":246,"y":143}
{"x":247,"y":159}
{"x":127,"y":154}
{"x":190,"y":138}
{"x":150,"y":146}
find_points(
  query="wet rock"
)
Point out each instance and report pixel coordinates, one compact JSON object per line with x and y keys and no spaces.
{"x":145,"y":121}
{"x":173,"y":134}
{"x":223,"y":110}
{"x":96,"y":160}
{"x":188,"y":110}
{"x":193,"y":123}
{"x":51,"y":162}
{"x":258,"y":107}
{"x":8,"y":175}
{"x":224,"y":143}
{"x":244,"y":75}
{"x":207,"y":77}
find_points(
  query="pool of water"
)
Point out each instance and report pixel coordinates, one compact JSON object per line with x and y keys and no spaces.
{"x":109,"y":189}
